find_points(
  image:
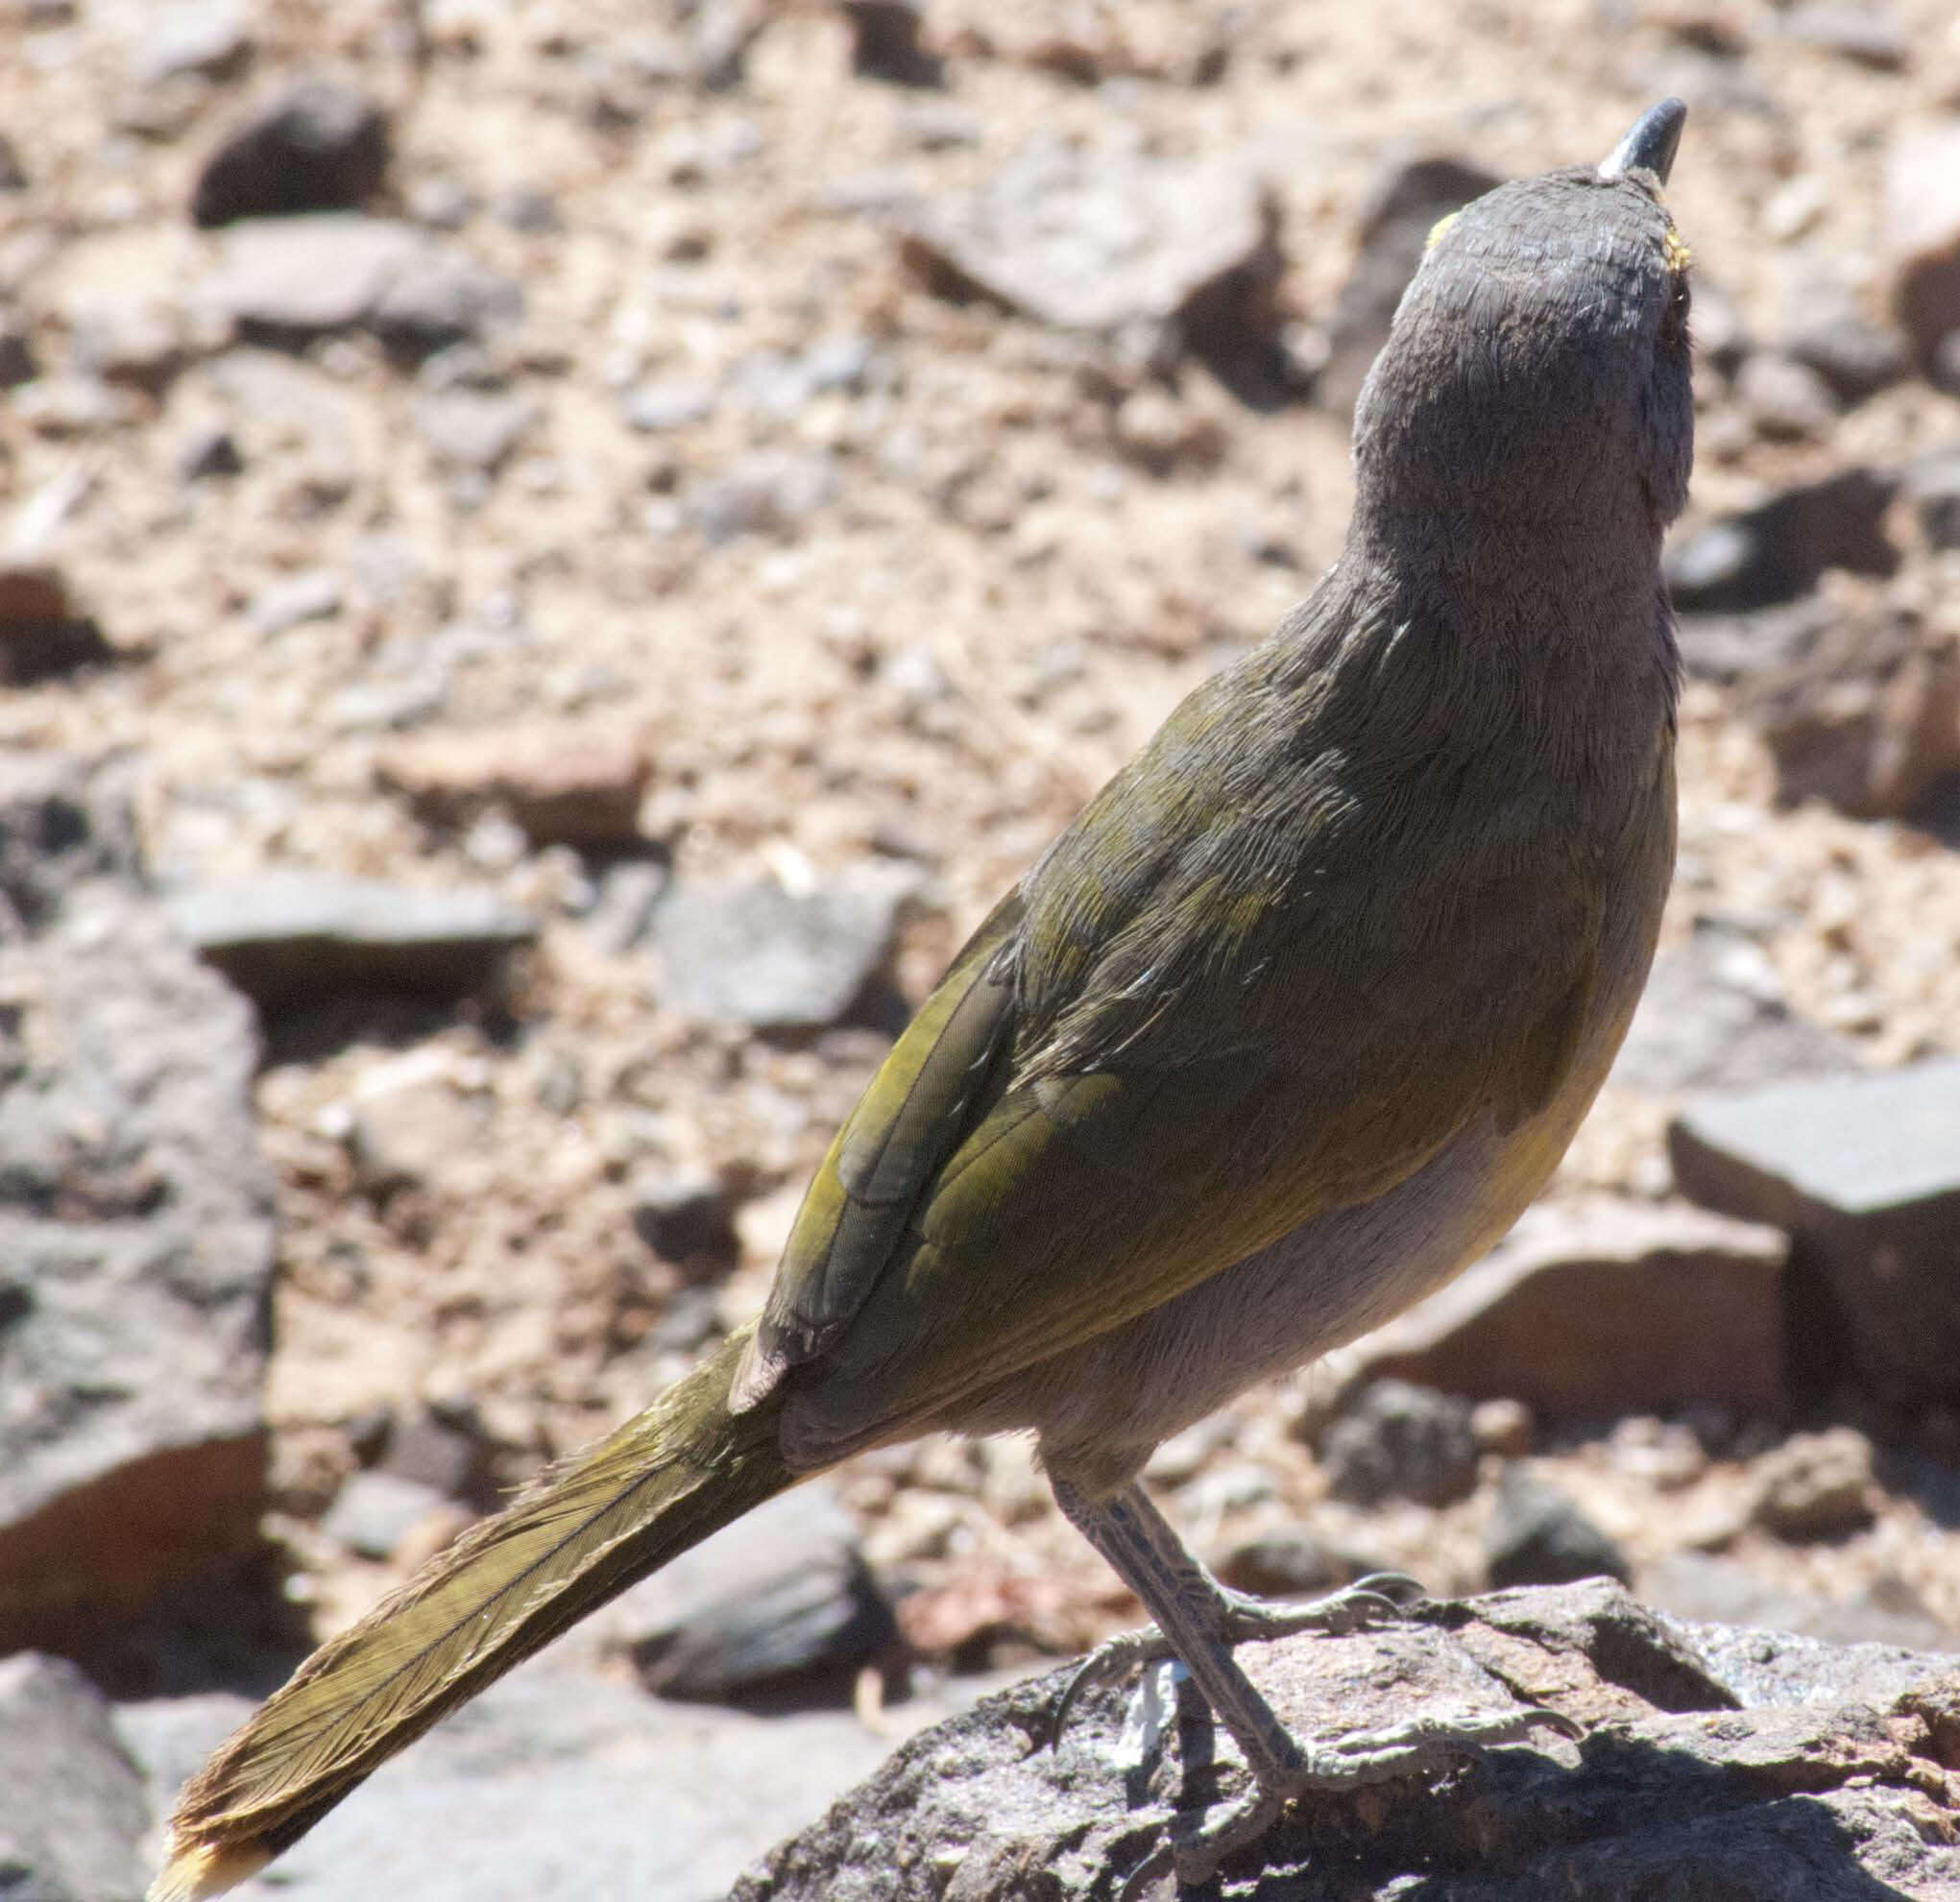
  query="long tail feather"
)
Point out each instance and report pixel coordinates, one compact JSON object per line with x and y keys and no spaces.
{"x":592,"y":1526}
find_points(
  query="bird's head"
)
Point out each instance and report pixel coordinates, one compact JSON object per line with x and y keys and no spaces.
{"x":1537,"y":366}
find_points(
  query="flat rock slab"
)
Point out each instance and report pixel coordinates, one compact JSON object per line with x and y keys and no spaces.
{"x":1607,"y":1306}
{"x":1751,"y":1767}
{"x":289,"y":936}
{"x":135,"y":1269}
{"x":1864,"y":1172}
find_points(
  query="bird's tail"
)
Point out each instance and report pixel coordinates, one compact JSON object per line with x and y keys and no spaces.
{"x":592,"y":1526}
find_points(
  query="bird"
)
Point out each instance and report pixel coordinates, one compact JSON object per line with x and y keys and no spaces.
{"x":1286,"y":1028}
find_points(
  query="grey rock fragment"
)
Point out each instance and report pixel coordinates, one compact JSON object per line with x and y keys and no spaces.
{"x":1934,"y":485}
{"x":1540,"y":1536}
{"x":313,"y":595}
{"x":757,"y":954}
{"x":208,"y":39}
{"x":1817,"y":1485}
{"x":64,"y":822}
{"x":1397,"y":1440}
{"x":72,"y":1806}
{"x":472,"y":429}
{"x":685,"y":1216}
{"x":290,"y":937}
{"x":1922,"y":235}
{"x":1693,"y":1585}
{"x":765,"y":493}
{"x":1776,"y":551}
{"x":1864,"y":1173}
{"x":375,"y":1512}
{"x":1112,"y":243}
{"x":885,"y":45}
{"x":319,"y":144}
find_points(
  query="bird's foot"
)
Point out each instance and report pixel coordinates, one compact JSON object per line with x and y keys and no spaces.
{"x":1419,"y":1748}
{"x":1242,"y":1619}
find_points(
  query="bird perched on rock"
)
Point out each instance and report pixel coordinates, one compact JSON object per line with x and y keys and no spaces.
{"x":1286,"y":1028}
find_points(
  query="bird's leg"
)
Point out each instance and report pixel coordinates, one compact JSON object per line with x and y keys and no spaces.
{"x":1229,"y":1617}
{"x":1198,"y":1623}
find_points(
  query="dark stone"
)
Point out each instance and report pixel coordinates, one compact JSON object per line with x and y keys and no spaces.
{"x":1401,"y":212}
{"x":43,"y":633}
{"x":1933,"y":484}
{"x":884,"y":43}
{"x":685,"y":1216}
{"x":1739,"y":1766}
{"x":1867,"y":717}
{"x":72,"y":1806}
{"x":1864,"y":1173}
{"x":290,"y":937}
{"x":1776,"y":551}
{"x":1854,"y":356}
{"x":1394,"y":1439}
{"x":135,"y":1268}
{"x":64,"y":821}
{"x":1816,"y":1487}
{"x":1922,"y":235}
{"x":208,"y":454}
{"x":780,"y":1606}
{"x":1291,"y":1562}
{"x":317,"y":145}
{"x":1539,"y":1536}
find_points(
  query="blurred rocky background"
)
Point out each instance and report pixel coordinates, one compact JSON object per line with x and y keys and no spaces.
{"x":553,"y":560}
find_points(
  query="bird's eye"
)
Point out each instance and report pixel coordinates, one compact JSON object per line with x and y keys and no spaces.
{"x":1674,"y":325}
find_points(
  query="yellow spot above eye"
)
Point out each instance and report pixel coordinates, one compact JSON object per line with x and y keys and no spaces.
{"x":1437,"y":230}
{"x":1677,"y":253}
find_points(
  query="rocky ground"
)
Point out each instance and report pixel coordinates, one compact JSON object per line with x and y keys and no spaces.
{"x":594,"y":540}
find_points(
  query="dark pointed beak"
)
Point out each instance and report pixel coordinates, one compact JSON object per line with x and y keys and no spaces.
{"x":1651,"y":146}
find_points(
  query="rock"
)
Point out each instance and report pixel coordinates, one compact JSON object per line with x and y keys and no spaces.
{"x":784,"y":385}
{"x":288,"y":938}
{"x":672,"y":404}
{"x":1932,"y":483}
{"x":407,"y":1123}
{"x":1826,"y":332}
{"x":1607,"y":1308}
{"x":1816,"y":1485}
{"x":12,"y":173}
{"x":208,"y":39}
{"x":1402,"y":210}
{"x":1866,"y":33}
{"x":779,"y":1602}
{"x":1686,"y":1788}
{"x":884,"y":43}
{"x":578,"y":785}
{"x":18,"y":362}
{"x":1922,"y":235}
{"x":208,"y":454}
{"x":135,"y":1268}
{"x":64,"y":822}
{"x":285,"y":281}
{"x":1861,"y":1172}
{"x":1867,"y":717}
{"x":1113,"y":243}
{"x":375,"y":1514}
{"x":313,"y":595}
{"x":1785,"y":401}
{"x":1291,"y":1562}
{"x":758,"y":953}
{"x":1714,"y":1015}
{"x":1692,"y":1585}
{"x":1394,"y":1439}
{"x":1726,"y":648}
{"x":73,"y":1812}
{"x":43,"y":633}
{"x":723,"y":33}
{"x":475,"y":429}
{"x":764,"y":493}
{"x":685,"y":1216}
{"x":1777,"y":550}
{"x":441,"y":1449}
{"x":1539,"y":1536}
{"x":318,"y":144}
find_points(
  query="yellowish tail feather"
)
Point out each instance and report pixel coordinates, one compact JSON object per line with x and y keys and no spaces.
{"x":591,"y":1528}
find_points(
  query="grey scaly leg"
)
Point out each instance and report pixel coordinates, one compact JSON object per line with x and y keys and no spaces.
{"x":1199,"y":1622}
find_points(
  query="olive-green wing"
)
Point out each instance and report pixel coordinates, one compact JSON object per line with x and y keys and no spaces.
{"x":908,"y":1120}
